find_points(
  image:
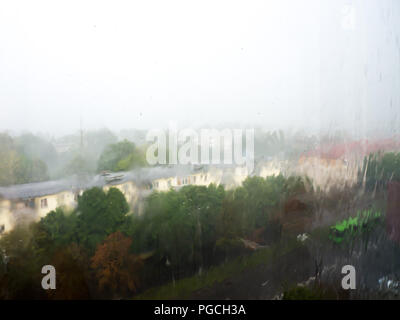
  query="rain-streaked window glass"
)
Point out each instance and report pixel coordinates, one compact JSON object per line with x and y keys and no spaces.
{"x":200,"y":150}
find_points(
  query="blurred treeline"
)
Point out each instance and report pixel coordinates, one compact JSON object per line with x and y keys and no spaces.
{"x":100,"y":250}
{"x":31,"y":158}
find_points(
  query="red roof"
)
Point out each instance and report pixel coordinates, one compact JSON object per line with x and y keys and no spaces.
{"x":362,"y":147}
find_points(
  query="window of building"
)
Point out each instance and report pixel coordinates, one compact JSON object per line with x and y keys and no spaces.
{"x":43,"y":203}
{"x":30,"y":203}
{"x":194,"y":179}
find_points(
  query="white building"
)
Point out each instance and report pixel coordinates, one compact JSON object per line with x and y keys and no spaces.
{"x":31,"y":202}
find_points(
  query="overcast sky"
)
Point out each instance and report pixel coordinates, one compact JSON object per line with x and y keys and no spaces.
{"x":142,"y":64}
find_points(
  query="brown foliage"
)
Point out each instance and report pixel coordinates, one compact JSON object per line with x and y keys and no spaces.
{"x":258,"y":235}
{"x":115,"y":268}
{"x":296,"y":217}
{"x":72,"y":274}
{"x":294,"y":205}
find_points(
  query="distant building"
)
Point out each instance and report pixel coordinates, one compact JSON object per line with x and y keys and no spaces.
{"x":339,"y":164}
{"x":33,"y":201}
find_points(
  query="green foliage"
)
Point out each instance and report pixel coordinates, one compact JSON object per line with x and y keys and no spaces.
{"x":81,"y":153}
{"x":258,"y":199}
{"x":29,"y":170}
{"x":180,"y":225}
{"x":347,"y":230}
{"x":97,"y":215}
{"x":230,"y":222}
{"x":17,"y":167}
{"x":78,"y":165}
{"x":19,"y":279}
{"x":121,"y":156}
{"x":183,"y":288}
{"x":180,"y":232}
{"x":303,"y":293}
{"x":135,"y":159}
{"x":34,"y":147}
{"x":316,"y":291}
{"x":60,"y":226}
{"x":195,"y":225}
{"x":97,"y":140}
{"x":380,"y":168}
{"x":229,"y":247}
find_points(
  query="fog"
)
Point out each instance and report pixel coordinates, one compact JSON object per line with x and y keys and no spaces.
{"x":319,"y":65}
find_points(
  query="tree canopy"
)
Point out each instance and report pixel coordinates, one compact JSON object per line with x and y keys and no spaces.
{"x":380,"y":168}
{"x":121,"y":156}
{"x":18,"y":167}
{"x":97,"y":215}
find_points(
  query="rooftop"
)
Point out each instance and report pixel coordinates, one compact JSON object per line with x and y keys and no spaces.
{"x":363,"y":147}
{"x":75,"y":183}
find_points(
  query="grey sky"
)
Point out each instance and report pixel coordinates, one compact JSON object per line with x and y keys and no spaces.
{"x":141,"y":64}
